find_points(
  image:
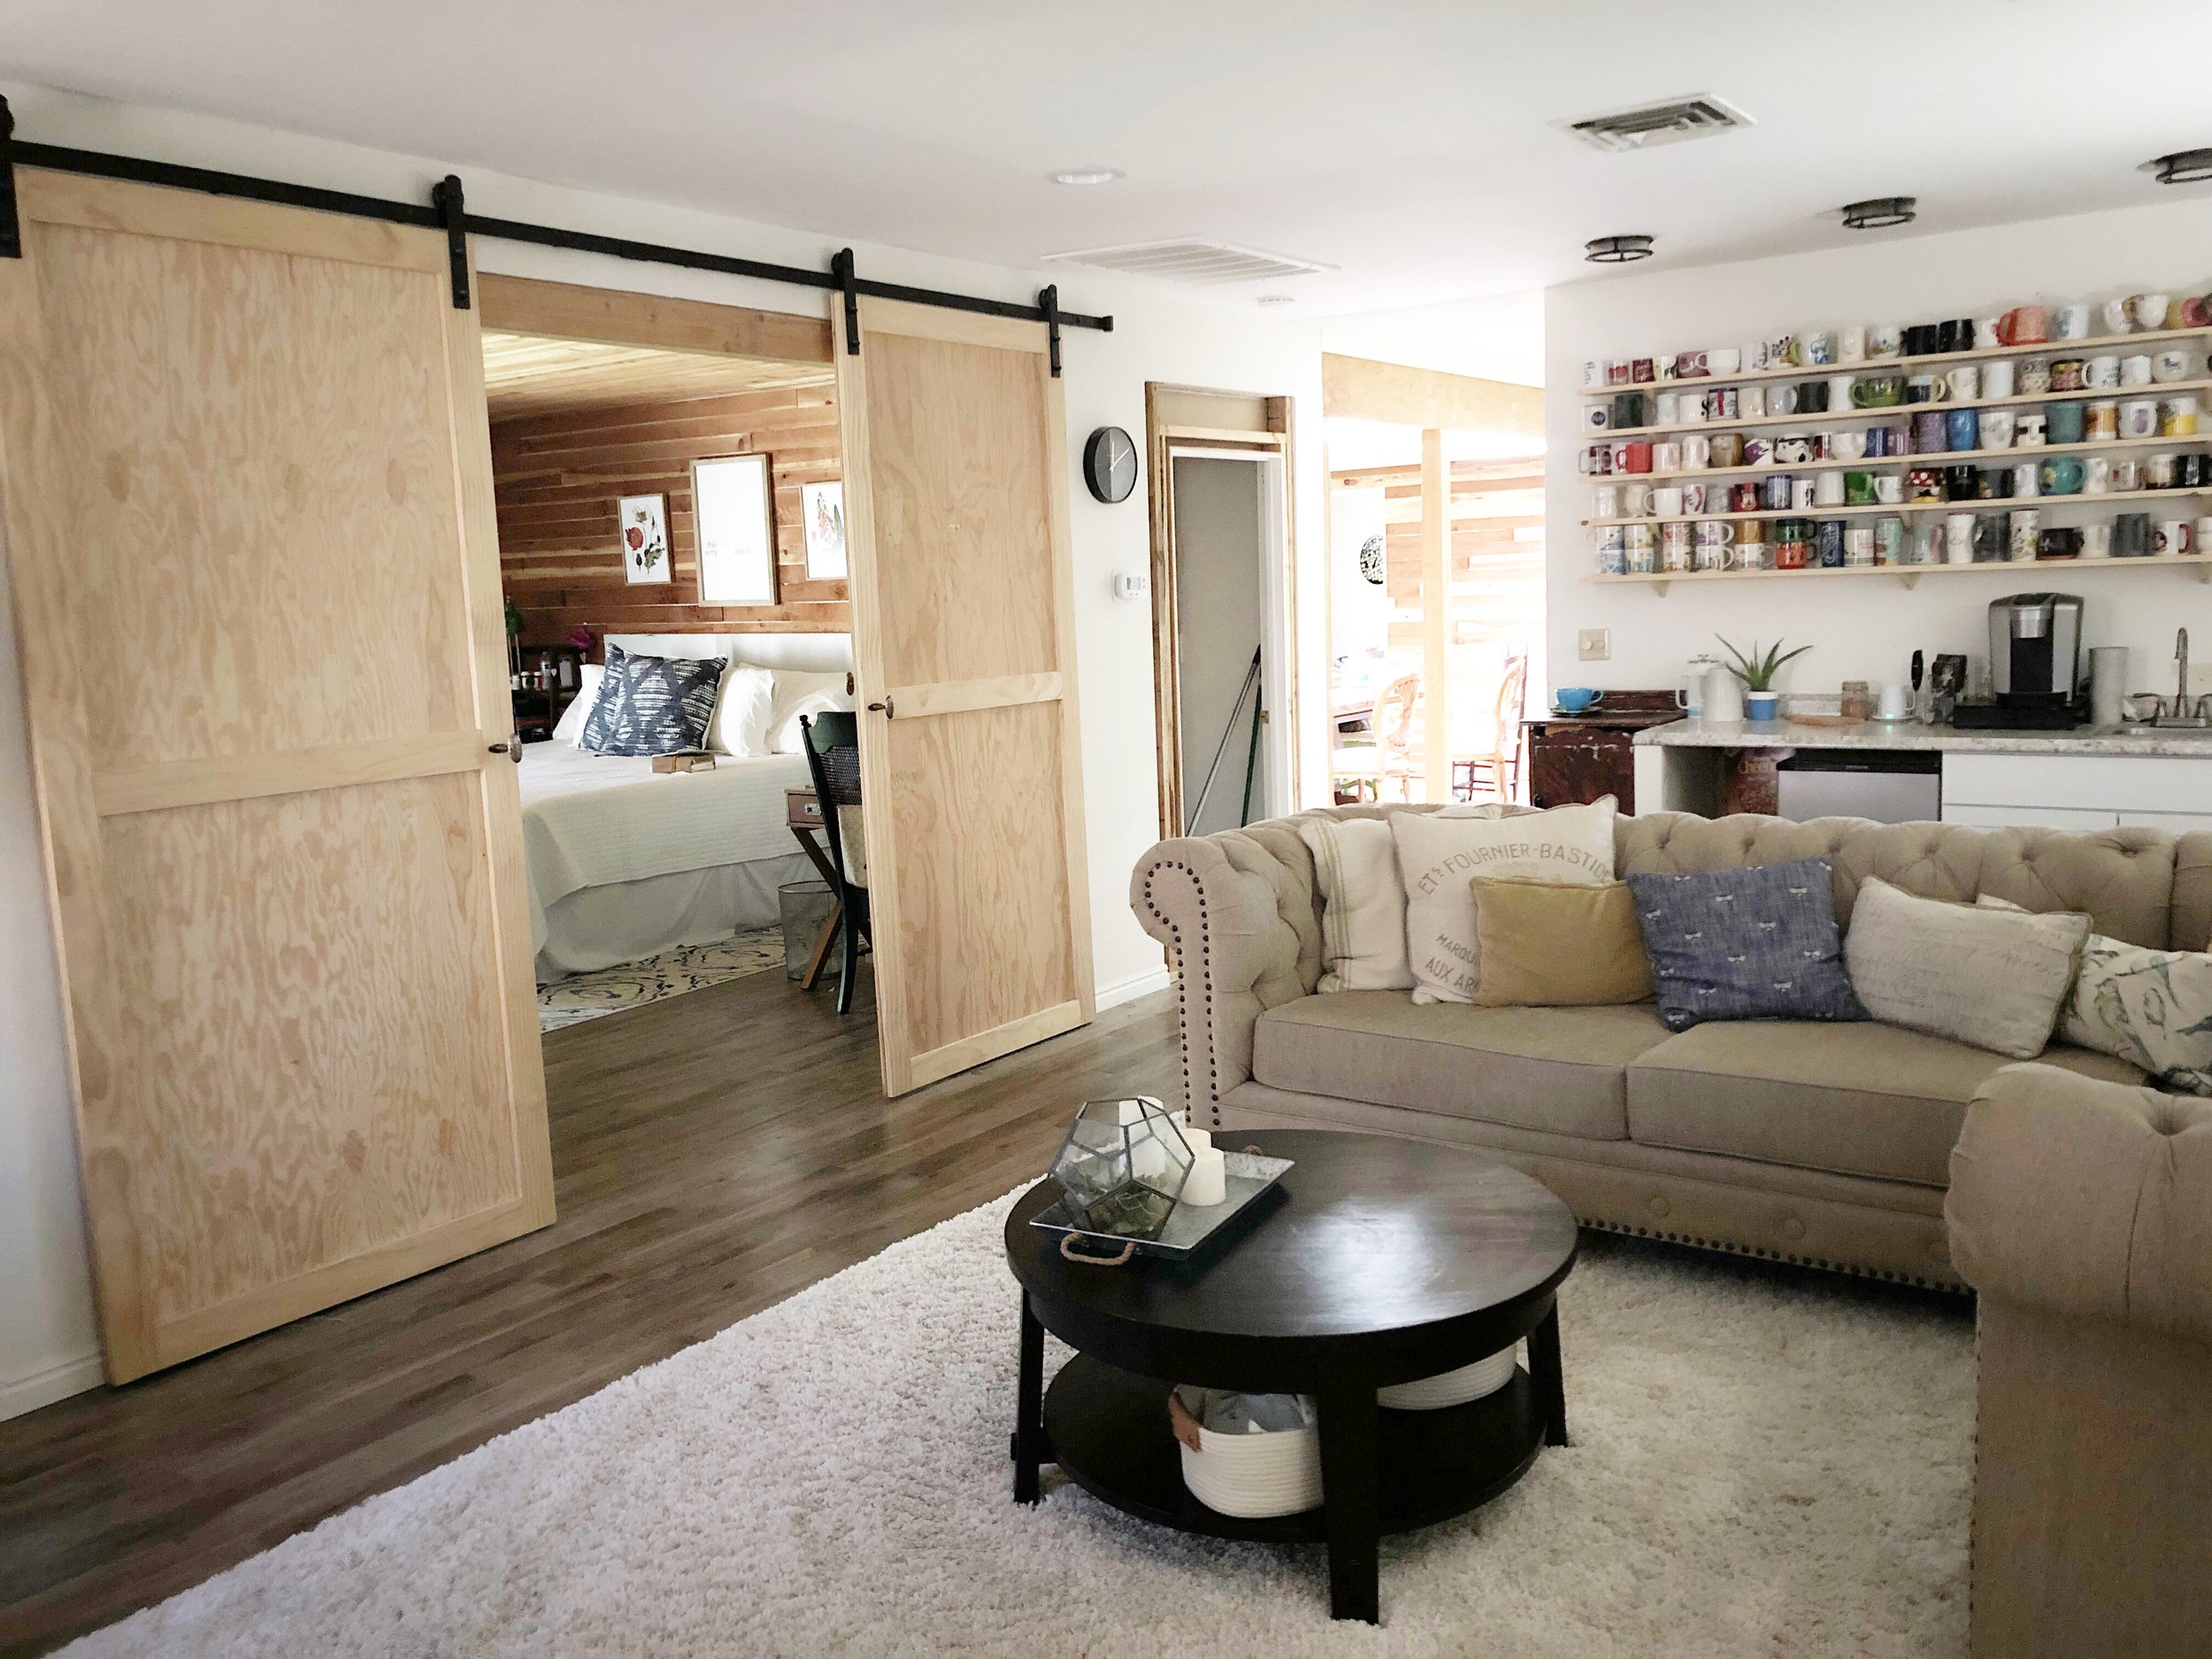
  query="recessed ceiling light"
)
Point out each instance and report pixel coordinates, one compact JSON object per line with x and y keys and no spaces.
{"x":1879,"y":212}
{"x":1616,"y":249}
{"x":2184,"y":166}
{"x":1085,"y":175}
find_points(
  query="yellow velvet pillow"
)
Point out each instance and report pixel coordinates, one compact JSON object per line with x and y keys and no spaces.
{"x":1547,"y":944}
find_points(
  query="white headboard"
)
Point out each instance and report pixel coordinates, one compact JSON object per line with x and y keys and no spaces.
{"x":817,"y":653}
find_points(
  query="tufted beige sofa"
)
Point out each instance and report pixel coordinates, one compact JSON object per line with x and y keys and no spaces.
{"x":2082,"y":1213}
{"x":1820,"y":1143}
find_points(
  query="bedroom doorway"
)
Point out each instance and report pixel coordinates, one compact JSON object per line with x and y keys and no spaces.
{"x":667,"y":478}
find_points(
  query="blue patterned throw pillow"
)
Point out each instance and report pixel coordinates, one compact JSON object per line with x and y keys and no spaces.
{"x":1760,"y":944}
{"x":653,"y":705}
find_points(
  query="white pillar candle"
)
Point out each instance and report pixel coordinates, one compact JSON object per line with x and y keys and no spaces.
{"x":1197,"y":1140}
{"x":1209,"y":1181}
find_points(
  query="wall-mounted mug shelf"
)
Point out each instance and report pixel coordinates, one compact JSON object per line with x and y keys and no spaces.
{"x":2195,"y":565}
{"x":2000,"y":504}
{"x":2099,"y":345}
{"x":2018,"y":453}
{"x":2154,"y":391}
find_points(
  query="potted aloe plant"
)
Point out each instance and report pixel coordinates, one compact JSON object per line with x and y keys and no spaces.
{"x":1757,"y":669}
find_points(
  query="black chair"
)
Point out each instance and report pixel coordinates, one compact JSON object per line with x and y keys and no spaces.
{"x":833,"y":756}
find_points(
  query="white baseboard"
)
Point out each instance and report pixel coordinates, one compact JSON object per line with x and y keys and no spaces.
{"x":43,"y":1387}
{"x":1129,"y":990}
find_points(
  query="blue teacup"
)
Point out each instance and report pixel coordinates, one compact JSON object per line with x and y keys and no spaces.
{"x":1575,"y":699}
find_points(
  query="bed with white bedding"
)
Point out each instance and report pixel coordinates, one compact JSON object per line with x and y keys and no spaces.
{"x":625,"y":862}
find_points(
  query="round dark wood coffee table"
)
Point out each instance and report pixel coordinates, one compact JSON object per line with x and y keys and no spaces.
{"x":1380,"y":1261}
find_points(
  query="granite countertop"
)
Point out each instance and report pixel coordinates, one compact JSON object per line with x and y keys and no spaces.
{"x":2083,"y":739}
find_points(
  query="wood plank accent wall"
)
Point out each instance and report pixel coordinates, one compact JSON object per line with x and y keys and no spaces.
{"x":556,"y":477}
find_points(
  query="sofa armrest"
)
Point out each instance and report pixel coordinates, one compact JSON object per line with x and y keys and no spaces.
{"x":2087,"y":1198}
{"x":1223,"y":904}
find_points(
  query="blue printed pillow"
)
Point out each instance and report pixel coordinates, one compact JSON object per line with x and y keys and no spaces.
{"x":652,"y":705}
{"x":1760,"y":944}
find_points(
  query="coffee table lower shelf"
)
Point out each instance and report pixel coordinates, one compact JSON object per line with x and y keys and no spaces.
{"x":1108,"y":1429}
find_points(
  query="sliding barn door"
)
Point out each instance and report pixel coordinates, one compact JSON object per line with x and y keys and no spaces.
{"x":248,"y":520}
{"x":957,"y":511}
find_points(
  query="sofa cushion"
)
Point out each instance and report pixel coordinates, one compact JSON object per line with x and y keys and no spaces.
{"x":1864,"y":1099}
{"x":1556,"y":1069}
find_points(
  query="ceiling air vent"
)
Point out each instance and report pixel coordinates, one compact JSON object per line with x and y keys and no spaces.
{"x":1206,"y":263}
{"x":1670,"y":123}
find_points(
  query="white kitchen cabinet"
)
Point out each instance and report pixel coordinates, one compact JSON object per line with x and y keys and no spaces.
{"x":2081,"y":792}
{"x":2065,"y":818}
{"x":2179,"y":823}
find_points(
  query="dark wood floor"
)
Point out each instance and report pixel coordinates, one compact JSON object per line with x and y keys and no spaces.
{"x":712,"y":1154}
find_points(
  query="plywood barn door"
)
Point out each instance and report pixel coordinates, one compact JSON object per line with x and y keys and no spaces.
{"x":956,"y":517}
{"x":248,"y":509}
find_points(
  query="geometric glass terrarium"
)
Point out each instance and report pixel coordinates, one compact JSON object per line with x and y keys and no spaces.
{"x":1123,"y":1167}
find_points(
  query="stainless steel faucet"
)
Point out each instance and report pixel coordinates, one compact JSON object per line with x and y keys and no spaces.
{"x":2181,"y":681}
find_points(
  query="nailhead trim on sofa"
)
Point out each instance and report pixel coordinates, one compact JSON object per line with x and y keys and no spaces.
{"x":1212,"y":1105}
{"x":1726,"y":1248}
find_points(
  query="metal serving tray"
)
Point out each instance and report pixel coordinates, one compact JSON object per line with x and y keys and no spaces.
{"x":1246,"y":1177}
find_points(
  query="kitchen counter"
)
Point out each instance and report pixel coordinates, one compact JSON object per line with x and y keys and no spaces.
{"x":2167,"y":741}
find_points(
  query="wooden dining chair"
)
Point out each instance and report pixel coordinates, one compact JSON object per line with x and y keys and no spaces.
{"x":1390,"y":754}
{"x":832,"y":742}
{"x":1498,"y":769}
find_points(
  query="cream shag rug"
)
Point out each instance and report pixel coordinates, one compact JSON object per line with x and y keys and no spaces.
{"x":1761,"y":1467}
{"x":583,"y":996}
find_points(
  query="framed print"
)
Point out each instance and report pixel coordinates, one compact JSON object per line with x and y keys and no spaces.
{"x":644,"y":522}
{"x":734,"y":507}
{"x":823,"y":507}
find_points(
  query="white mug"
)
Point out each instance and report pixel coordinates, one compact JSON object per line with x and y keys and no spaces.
{"x":1851,"y":344}
{"x":2137,"y":370}
{"x":1697,"y":453}
{"x":1896,"y":704}
{"x":1716,"y":555}
{"x":1636,"y":500}
{"x":1889,"y":488}
{"x":1754,"y":402}
{"x":1804,"y":492}
{"x":2096,"y":478}
{"x":2177,"y":417}
{"x":2115,"y":313}
{"x":1997,"y":378}
{"x":1996,"y":428}
{"x":1846,"y":445}
{"x":2071,"y":322}
{"x":1724,"y":359}
{"x":2100,"y":373}
{"x":1958,"y":538}
{"x":1669,"y":409}
{"x":2096,"y":540}
{"x":2022,"y":527}
{"x":1828,"y":490}
{"x":2148,"y":310}
{"x":1884,"y":340}
{"x":2027,"y":480}
{"x":1666,"y":456}
{"x":1605,"y":502}
{"x":2170,"y":364}
{"x":1966,"y":383}
{"x":2138,"y":419}
{"x":2172,"y":537}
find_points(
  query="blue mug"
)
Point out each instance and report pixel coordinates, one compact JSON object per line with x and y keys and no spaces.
{"x":1964,"y":428}
{"x":1575,"y":699}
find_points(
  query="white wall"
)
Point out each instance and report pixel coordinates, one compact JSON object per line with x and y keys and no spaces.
{"x":1859,"y":629}
{"x":46,"y":1333}
{"x":1498,"y":337}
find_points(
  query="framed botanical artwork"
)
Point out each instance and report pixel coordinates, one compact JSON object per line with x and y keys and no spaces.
{"x":734,"y":506}
{"x":823,"y":507}
{"x":644,"y":523}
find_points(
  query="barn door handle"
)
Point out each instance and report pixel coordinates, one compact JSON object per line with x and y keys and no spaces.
{"x":512,"y":751}
{"x":884,"y":709}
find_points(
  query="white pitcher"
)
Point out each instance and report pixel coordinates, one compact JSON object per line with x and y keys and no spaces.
{"x":1723,"y":697}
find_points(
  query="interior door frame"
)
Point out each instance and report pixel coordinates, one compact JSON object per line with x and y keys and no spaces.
{"x":1168,"y":434}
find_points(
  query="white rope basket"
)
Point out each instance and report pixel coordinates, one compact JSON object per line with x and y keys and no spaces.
{"x":1452,"y":1388}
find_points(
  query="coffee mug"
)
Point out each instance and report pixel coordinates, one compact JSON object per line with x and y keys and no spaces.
{"x":2023,"y":527}
{"x":1597,"y":418}
{"x":1667,"y":409}
{"x":1805,"y":492}
{"x":1878,"y":391}
{"x":1858,"y":489}
{"x":2096,"y":475}
{"x":1889,"y":540}
{"x":2103,"y":420}
{"x":2137,"y":370}
{"x":2035,"y":378}
{"x":1793,"y":449}
{"x":1997,"y":378}
{"x":1958,"y":538}
{"x":2058,"y":542}
{"x":1781,"y":400}
{"x":1677,"y":551}
{"x":2138,"y":419}
{"x":2024,"y":326}
{"x":1636,"y":500}
{"x":1858,"y":544}
{"x":2127,"y":475}
{"x":2131,"y":535}
{"x":1960,"y":483}
{"x":2096,"y":540}
{"x":1889,"y":490}
{"x":2071,"y":322}
{"x":1997,"y":425}
{"x":2158,"y":471}
{"x":1693,"y":499}
{"x":1754,"y":555}
{"x":1812,"y":397}
{"x":2027,"y":431}
{"x":1927,"y":389}
{"x":1715,"y":532}
{"x":1828,"y":544}
{"x":1931,"y":432}
{"x":1994,"y":483}
{"x":1757,"y":452}
{"x":1716,"y":555}
{"x":2148,"y":311}
{"x":1689,"y":365}
{"x":2169,"y":365}
{"x":2201,"y":538}
{"x":1777,"y":491}
{"x":2173,"y":537}
{"x":1925,"y":484}
{"x":1851,"y":344}
{"x":1962,"y":430}
{"x":1666,"y":502}
{"x":1727,"y":448}
{"x":1884,"y":340}
{"x":1818,"y":350}
{"x":1846,"y":445}
{"x":2177,"y":417}
{"x":1666,"y":456}
{"x":1754,"y":402}
{"x":1723,"y":360}
{"x":1605,"y":502}
{"x":2065,"y":422}
{"x":2100,"y":373}
{"x":2114,"y":315}
{"x":1697,"y":453}
{"x":2027,"y":480}
{"x":1895,"y":703}
{"x":2063,"y":476}
{"x":1640,"y":370}
{"x":1966,"y":383}
{"x":2067,"y":374}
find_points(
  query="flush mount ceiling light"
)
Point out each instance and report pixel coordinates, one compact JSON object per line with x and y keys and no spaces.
{"x":1616,"y":249}
{"x":1879,"y":212}
{"x":2184,"y":166}
{"x":1085,"y":175}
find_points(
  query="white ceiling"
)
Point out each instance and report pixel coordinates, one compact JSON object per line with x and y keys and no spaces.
{"x":1411,"y":144}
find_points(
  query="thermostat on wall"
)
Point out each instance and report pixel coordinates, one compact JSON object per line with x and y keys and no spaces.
{"x":1127,"y":586}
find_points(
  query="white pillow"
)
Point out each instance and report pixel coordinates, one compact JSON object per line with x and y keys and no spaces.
{"x":1991,"y":978}
{"x":739,"y":725}
{"x":570,"y":727}
{"x":798,"y":692}
{"x":1362,"y":904}
{"x":1439,"y":854}
{"x":2150,"y":1007}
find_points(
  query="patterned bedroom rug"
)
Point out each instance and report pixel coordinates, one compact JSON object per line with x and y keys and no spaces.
{"x":585,"y":996}
{"x":1764,"y":1463}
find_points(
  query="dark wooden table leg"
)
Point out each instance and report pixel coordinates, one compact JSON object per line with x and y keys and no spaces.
{"x":1350,"y":1498}
{"x":1030,"y":1447}
{"x":1551,"y":1383}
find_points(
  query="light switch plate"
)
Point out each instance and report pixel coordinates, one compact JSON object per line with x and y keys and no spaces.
{"x":1595,"y":645}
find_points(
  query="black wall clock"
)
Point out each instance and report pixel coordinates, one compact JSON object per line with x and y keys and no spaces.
{"x":1110,"y":463}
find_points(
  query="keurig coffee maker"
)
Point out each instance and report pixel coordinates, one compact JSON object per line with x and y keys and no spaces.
{"x":2034,"y":665}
